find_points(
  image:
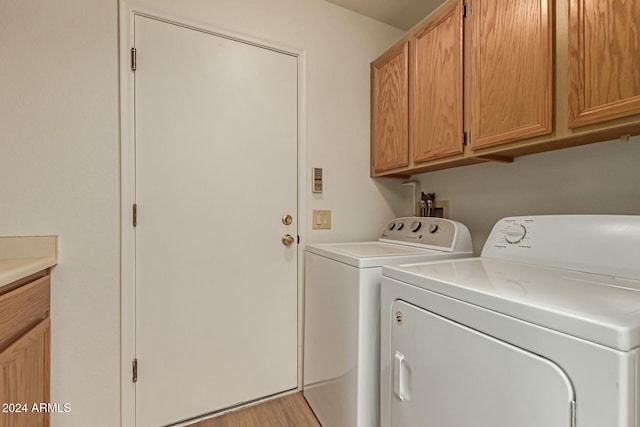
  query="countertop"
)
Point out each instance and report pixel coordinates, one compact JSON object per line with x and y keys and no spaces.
{"x":23,"y":256}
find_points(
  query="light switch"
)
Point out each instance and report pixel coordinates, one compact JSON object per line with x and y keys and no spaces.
{"x":322,"y":219}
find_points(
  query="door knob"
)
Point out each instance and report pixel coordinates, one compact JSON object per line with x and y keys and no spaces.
{"x":288,"y":240}
{"x":287,"y":219}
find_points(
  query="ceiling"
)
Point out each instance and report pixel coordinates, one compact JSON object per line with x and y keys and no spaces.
{"x":402,"y":14}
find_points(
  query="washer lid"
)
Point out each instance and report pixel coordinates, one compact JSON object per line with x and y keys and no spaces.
{"x":376,"y":254}
{"x":598,"y":308}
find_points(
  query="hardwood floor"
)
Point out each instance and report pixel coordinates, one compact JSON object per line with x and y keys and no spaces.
{"x":287,"y":411}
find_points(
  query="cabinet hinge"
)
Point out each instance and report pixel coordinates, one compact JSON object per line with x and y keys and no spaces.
{"x":134,"y":367}
{"x":465,"y":139}
{"x":466,"y":10}
{"x":134,"y":59}
{"x":135,"y":214}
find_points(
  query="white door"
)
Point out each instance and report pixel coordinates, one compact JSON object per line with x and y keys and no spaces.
{"x":447,"y":375}
{"x":216,"y":171}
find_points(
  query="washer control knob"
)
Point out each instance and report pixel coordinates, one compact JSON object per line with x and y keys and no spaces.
{"x":415,"y":225}
{"x":392,"y":226}
{"x":515,"y":233}
{"x":400,"y":226}
{"x":433,"y":228}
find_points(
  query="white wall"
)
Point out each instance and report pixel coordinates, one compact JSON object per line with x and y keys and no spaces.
{"x":59,"y":175}
{"x":59,"y":154}
{"x":601,"y":178}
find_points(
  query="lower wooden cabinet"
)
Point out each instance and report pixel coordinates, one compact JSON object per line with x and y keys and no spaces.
{"x":24,"y":376}
{"x":24,"y":355}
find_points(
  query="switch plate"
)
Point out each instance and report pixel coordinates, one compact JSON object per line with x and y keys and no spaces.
{"x":321,"y":219}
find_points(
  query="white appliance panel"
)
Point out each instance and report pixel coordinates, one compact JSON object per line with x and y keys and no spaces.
{"x":342,"y":314}
{"x":374,"y":249}
{"x":604,"y":395}
{"x":602,"y":244}
{"x":561,"y":288}
{"x":342,"y":342}
{"x":598,"y":308}
{"x":446,"y":374}
{"x":377,"y":254}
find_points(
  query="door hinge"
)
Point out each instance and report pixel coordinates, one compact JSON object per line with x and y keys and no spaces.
{"x":465,"y":139}
{"x":466,"y":10}
{"x":134,"y":366}
{"x":135,"y":214}
{"x":134,"y":59}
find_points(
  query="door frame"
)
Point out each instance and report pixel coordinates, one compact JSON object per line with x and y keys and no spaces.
{"x":127,"y":13}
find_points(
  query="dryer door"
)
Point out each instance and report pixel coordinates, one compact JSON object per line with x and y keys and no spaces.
{"x":448,"y":375}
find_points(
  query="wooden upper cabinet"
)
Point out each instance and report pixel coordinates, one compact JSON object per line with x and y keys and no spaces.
{"x":604,"y":60}
{"x":436,"y":77}
{"x":390,"y":110}
{"x":512,"y":70}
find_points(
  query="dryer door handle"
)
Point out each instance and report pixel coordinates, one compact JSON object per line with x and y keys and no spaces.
{"x":400,"y":377}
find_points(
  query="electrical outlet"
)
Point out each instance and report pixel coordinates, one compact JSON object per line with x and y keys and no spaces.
{"x":321,"y":219}
{"x":442,"y":208}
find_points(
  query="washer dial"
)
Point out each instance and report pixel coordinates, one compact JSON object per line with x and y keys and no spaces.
{"x":515,"y":233}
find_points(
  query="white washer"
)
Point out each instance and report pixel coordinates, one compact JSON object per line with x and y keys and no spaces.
{"x":543,"y":329}
{"x":342,"y":313}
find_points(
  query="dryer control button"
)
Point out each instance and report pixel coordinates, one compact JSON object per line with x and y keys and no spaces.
{"x":515,"y":233}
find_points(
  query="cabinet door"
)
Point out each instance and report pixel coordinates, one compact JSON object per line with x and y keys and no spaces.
{"x":437,"y":82}
{"x":24,"y":377}
{"x":511,"y":65}
{"x":604,"y":59}
{"x":390,"y":110}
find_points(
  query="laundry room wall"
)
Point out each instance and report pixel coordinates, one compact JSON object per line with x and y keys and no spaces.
{"x":59,"y":155}
{"x":59,"y":174}
{"x":599,"y":178}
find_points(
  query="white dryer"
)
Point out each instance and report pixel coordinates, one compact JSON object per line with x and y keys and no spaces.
{"x":541,"y":330}
{"x":342,"y":313}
